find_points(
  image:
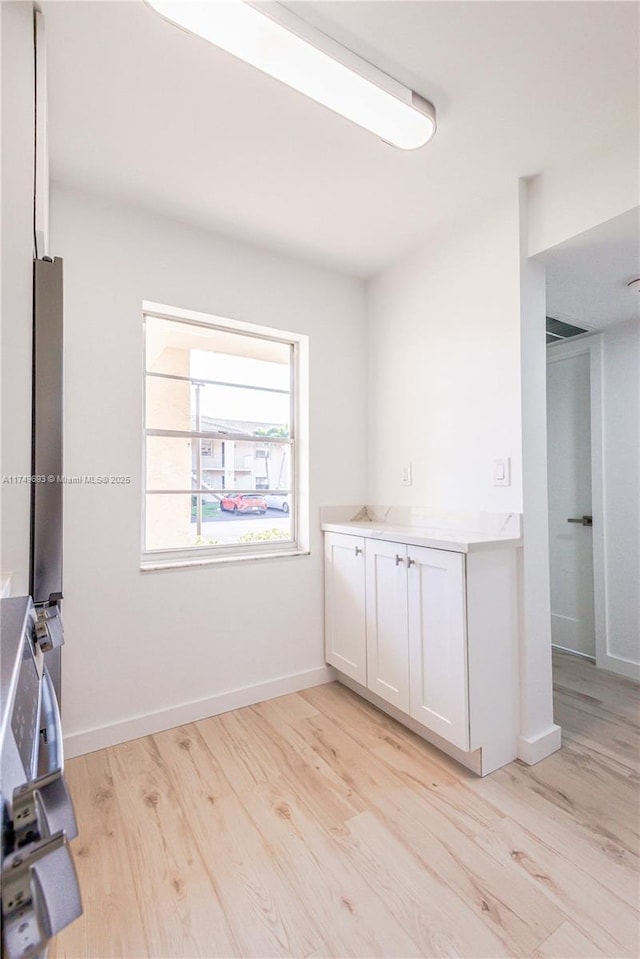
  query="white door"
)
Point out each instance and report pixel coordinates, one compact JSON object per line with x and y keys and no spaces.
{"x":438,"y":643}
{"x":387,"y":625}
{"x":345,"y":637}
{"x":569,"y":475}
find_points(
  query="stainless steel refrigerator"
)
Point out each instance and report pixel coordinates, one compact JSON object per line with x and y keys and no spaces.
{"x":47,"y":445}
{"x":38,"y":882}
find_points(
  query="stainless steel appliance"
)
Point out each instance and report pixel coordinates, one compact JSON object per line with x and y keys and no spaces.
{"x":40,"y":893}
{"x":39,"y":887}
{"x":47,"y":464}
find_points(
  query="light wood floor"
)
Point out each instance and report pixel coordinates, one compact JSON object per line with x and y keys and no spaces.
{"x":313,"y":825}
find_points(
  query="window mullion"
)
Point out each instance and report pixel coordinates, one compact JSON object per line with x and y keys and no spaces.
{"x":229,"y":437}
{"x":195,"y":380}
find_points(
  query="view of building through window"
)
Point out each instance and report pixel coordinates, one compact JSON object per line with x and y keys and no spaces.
{"x":220,"y":453}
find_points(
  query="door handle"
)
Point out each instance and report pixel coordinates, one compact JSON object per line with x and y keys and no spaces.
{"x":583,"y":520}
{"x":40,"y":895}
{"x":359,"y":551}
{"x":399,"y":559}
{"x":42,"y":808}
{"x":50,"y":716}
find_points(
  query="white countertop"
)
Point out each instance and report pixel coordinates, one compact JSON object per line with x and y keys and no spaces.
{"x":458,"y":541}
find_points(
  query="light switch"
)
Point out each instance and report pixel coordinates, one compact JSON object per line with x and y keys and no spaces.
{"x":502,"y":472}
{"x":407,"y":475}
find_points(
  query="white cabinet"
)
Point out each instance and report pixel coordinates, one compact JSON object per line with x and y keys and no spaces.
{"x":430,"y":635}
{"x":387,"y":637}
{"x":395,"y":622}
{"x":438,"y":643}
{"x":346,"y":645}
{"x":416,"y":635}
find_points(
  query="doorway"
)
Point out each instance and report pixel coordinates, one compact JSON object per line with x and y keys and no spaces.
{"x":588,"y":287}
{"x":570,"y":499}
{"x":574,"y":492}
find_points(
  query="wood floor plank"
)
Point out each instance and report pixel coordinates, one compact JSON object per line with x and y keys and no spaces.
{"x":608,"y":737}
{"x":344,"y":752}
{"x":433,"y":915}
{"x":598,"y":710}
{"x":503,"y":915}
{"x":567,"y":942}
{"x":588,"y":845}
{"x":354,"y":921}
{"x":594,"y":791}
{"x":259,"y":902}
{"x":545,"y":919}
{"x":329,"y":796}
{"x":518,"y":914}
{"x":622,"y":715}
{"x":111,"y":924}
{"x":382,"y":735}
{"x":608,"y":694}
{"x":418,"y":764}
{"x":601,"y":915}
{"x":180,"y":909}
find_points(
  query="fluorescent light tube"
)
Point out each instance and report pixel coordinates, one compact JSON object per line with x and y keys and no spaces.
{"x":275,"y":41}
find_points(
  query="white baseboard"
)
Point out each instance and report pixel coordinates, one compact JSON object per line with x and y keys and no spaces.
{"x":532,"y":749}
{"x":573,"y":652}
{"x":77,"y":744}
{"x":622,"y":667}
{"x":614,"y":664}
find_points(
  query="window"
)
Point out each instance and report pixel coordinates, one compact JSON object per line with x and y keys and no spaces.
{"x":224,"y":471}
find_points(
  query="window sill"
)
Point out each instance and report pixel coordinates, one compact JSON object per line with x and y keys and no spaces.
{"x":157,"y":565}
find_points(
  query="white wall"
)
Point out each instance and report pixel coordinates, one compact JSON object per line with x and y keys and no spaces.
{"x":444,"y":370}
{"x":138,"y":643}
{"x":621,"y":440}
{"x":568,"y":201}
{"x":17,"y":76}
{"x":450,"y":390}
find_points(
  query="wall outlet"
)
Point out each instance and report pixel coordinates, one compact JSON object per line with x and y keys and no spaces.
{"x":407,"y":475}
{"x":502,"y":472}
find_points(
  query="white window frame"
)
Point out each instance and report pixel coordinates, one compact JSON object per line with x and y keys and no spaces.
{"x":152,"y":559}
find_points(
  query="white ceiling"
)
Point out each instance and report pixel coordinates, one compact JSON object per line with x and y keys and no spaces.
{"x":145,"y":112}
{"x":587,"y":276}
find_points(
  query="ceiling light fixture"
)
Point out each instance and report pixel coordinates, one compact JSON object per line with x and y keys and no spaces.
{"x":275,"y":41}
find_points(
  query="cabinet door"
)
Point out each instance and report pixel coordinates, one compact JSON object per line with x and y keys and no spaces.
{"x":387,"y":626}
{"x":438,"y":643}
{"x":345,"y":637}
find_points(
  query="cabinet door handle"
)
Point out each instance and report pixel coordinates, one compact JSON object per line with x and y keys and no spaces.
{"x":399,"y":559}
{"x":411,"y":562}
{"x":359,"y":551}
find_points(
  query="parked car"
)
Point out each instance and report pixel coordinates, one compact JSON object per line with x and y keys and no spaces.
{"x":243,"y":503}
{"x":279,"y":501}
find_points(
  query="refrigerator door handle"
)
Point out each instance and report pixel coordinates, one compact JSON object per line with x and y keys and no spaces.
{"x":43,"y":808}
{"x":40,"y":896}
{"x":51,"y":726}
{"x":56,"y":894}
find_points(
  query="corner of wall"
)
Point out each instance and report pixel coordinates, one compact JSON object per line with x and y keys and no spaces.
{"x":536,"y":681}
{"x":568,"y":201}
